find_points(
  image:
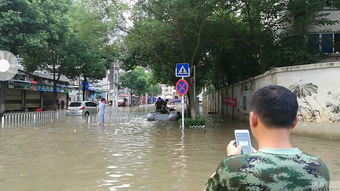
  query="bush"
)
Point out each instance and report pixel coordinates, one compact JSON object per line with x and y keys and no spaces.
{"x":188,"y":122}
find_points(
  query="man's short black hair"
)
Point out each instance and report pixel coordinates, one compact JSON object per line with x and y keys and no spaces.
{"x":275,"y":105}
{"x":103,"y":99}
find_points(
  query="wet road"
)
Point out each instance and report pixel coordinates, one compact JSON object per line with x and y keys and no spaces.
{"x":128,"y":153}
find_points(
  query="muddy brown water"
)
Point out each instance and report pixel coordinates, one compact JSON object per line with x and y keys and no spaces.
{"x":128,"y":153}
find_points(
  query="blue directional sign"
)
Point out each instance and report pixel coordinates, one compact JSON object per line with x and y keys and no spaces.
{"x":182,"y":70}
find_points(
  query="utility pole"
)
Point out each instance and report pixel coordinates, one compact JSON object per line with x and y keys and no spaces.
{"x":195,"y":87}
{"x":79,"y":90}
{"x":54,"y":85}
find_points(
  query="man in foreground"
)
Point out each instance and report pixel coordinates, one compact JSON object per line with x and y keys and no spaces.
{"x":277,"y":165}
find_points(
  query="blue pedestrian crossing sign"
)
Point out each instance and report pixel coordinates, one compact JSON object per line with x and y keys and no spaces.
{"x":182,"y":70}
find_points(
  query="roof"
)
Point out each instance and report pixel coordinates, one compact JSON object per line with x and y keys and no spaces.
{"x":50,"y":76}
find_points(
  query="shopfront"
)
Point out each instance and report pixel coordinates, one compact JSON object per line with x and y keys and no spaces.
{"x":21,"y":95}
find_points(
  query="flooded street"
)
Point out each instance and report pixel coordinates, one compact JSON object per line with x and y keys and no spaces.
{"x":128,"y":153}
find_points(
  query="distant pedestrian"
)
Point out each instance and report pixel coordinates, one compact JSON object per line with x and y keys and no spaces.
{"x":58,"y":102}
{"x":62,"y":102}
{"x":101,"y":111}
{"x":159,"y":104}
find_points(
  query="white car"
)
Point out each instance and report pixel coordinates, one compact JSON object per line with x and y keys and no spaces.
{"x":82,"y":108}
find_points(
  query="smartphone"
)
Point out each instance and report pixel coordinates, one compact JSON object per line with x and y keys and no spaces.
{"x":242,"y":137}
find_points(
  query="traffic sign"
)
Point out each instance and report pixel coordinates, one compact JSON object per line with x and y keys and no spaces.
{"x":182,"y":87}
{"x":182,"y":70}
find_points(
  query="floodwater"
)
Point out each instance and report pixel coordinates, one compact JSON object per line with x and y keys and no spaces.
{"x":128,"y":153}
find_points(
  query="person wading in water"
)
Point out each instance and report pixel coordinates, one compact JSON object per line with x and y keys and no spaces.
{"x":101,"y":112}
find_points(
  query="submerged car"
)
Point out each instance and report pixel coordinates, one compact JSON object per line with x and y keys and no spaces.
{"x":121,"y":102}
{"x":82,"y":108}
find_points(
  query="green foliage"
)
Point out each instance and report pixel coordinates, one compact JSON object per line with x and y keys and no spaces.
{"x":23,"y":26}
{"x":154,"y":89}
{"x":226,"y":41}
{"x":74,"y":36}
{"x":140,"y":82}
{"x":189,"y":122}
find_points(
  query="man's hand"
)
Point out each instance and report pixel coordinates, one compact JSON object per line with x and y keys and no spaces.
{"x":232,"y":149}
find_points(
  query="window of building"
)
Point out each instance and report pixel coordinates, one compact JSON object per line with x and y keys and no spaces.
{"x":327,"y":43}
{"x":329,"y":4}
{"x":313,"y":42}
{"x":337,"y":42}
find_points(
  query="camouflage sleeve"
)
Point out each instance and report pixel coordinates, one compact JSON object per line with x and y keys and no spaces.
{"x":215,"y":183}
{"x":325,"y":172}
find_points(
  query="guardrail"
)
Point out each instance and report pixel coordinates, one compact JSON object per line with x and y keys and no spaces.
{"x":18,"y":119}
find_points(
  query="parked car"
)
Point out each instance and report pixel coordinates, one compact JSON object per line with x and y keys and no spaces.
{"x":122,"y":102}
{"x":82,"y":108}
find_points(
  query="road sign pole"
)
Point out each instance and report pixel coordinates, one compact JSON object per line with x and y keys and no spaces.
{"x":182,"y":86}
{"x":183,"y":109}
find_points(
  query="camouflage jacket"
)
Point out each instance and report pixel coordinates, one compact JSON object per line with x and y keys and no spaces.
{"x":270,"y":169}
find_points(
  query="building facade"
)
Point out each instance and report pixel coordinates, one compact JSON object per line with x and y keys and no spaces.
{"x":27,"y":92}
{"x":326,"y":38}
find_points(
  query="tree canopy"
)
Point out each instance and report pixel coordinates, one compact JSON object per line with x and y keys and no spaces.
{"x":73,"y":36}
{"x":227,"y":41}
{"x":140,"y":82}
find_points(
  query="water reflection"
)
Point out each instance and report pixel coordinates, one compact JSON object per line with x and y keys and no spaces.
{"x":127,"y":153}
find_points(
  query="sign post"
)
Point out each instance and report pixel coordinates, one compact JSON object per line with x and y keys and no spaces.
{"x":183,"y":116}
{"x":182,"y":86}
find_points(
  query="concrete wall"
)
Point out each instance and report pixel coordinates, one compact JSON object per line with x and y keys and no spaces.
{"x":317,"y":85}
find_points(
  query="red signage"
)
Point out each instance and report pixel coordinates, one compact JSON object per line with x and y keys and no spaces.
{"x":229,"y":101}
{"x":182,"y":87}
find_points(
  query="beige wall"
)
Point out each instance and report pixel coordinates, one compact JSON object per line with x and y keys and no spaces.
{"x":323,"y":77}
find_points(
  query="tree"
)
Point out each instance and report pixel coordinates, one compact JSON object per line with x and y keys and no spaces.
{"x":168,"y":32}
{"x":153,"y":88}
{"x":136,"y":80}
{"x":226,"y":41}
{"x":140,"y":82}
{"x":94,"y":24}
{"x":38,"y":32}
{"x":23,"y":26}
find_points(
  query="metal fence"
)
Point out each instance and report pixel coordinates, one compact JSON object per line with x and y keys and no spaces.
{"x":21,"y":119}
{"x":18,"y":119}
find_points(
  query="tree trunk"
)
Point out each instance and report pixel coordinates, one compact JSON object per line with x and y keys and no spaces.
{"x":55,"y":96}
{"x":191,"y":99}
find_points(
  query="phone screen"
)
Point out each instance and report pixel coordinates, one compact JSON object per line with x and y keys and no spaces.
{"x":244,"y":140}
